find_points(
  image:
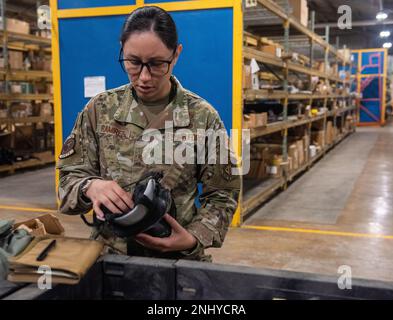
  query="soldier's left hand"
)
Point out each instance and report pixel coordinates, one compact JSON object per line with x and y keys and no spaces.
{"x":179,"y":240}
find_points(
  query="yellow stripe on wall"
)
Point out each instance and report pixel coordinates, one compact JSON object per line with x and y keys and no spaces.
{"x":123,"y":10}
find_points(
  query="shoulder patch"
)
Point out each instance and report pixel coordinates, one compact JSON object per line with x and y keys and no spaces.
{"x":68,"y":147}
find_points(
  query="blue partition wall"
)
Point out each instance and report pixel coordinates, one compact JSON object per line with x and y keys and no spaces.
{"x":90,"y":47}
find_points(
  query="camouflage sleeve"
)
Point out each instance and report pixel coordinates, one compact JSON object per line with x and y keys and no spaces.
{"x":78,"y":162}
{"x":220,"y":194}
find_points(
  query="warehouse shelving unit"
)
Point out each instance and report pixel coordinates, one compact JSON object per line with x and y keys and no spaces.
{"x":25,"y":43}
{"x":258,"y":191}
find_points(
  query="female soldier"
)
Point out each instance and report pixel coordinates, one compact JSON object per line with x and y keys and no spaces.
{"x":102,"y":159}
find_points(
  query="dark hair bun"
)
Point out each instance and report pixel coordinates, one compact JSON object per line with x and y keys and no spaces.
{"x":151,"y":18}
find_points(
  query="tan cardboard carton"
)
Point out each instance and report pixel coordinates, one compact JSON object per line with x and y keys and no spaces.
{"x":300,"y":10}
{"x":43,"y":225}
{"x":15,"y":60}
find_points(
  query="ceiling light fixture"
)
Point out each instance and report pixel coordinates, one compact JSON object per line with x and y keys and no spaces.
{"x":387,"y":45}
{"x":384,"y":34}
{"x":381,"y":16}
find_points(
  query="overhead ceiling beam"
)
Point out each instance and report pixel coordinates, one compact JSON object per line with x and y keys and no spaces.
{"x":365,"y":23}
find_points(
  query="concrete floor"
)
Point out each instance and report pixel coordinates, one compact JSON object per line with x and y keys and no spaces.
{"x":339,"y":213}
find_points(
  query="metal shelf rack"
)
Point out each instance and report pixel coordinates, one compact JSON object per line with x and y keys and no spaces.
{"x":255,"y":192}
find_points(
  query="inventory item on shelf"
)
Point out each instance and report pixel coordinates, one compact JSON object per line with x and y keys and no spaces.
{"x":44,"y":34}
{"x":254,"y":120}
{"x":42,"y":64}
{"x":329,"y":133}
{"x":15,"y":25}
{"x":15,"y":60}
{"x":16,"y":88}
{"x":313,"y":151}
{"x":266,"y":160}
{"x":299,"y":10}
{"x":318,"y":138}
{"x":45,"y":109}
{"x":3,"y":113}
{"x":272,"y":49}
{"x":21,"y":110}
{"x":247,"y":77}
{"x":275,"y":166}
{"x":345,"y":53}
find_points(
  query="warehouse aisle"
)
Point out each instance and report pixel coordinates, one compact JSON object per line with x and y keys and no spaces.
{"x":339,"y":213}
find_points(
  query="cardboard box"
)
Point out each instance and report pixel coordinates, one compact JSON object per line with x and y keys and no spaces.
{"x":262,"y":119}
{"x":322,"y":67}
{"x":300,"y":10}
{"x":15,"y":60}
{"x":335,"y":133}
{"x":273,"y":50}
{"x":44,"y":34}
{"x":257,"y":119}
{"x":272,"y":156}
{"x":14,"y":25}
{"x":293,"y":153}
{"x":46,"y":109}
{"x":334,"y":69}
{"x":290,"y":164}
{"x":257,"y":170}
{"x":274,"y":166}
{"x":49,"y":89}
{"x":43,"y":225}
{"x":247,"y":81}
{"x":318,"y":138}
{"x":47,"y":65}
{"x":346,"y":53}
{"x":246,"y":122}
{"x":300,"y":151}
{"x":3,"y":113}
{"x":252,"y":120}
{"x":329,"y":132}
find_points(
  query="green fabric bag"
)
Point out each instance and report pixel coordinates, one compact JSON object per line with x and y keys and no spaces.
{"x":12,"y":242}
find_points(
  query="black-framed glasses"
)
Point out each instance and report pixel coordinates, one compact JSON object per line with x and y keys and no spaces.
{"x":156,"y":68}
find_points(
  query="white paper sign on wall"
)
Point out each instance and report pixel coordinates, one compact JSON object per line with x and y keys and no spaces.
{"x":94,"y":86}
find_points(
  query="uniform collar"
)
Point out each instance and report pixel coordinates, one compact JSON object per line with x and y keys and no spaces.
{"x":129,"y":110}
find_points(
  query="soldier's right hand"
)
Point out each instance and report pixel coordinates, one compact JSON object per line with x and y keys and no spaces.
{"x":109,"y":194}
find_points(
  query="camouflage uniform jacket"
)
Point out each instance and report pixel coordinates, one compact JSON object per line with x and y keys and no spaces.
{"x":106,"y":143}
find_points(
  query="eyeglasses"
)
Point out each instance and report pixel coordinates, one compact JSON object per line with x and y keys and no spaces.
{"x":156,"y":68}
